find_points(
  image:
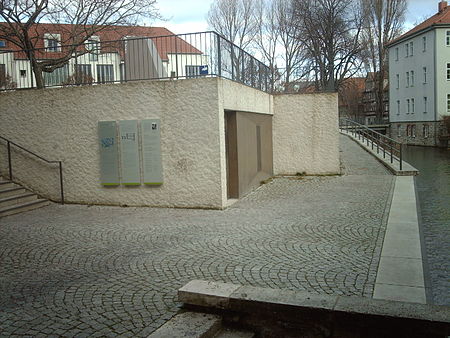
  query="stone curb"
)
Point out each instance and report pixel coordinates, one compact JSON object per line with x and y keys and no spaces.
{"x":292,"y":305}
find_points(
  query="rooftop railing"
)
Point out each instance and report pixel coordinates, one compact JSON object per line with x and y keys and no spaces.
{"x":205,"y":54}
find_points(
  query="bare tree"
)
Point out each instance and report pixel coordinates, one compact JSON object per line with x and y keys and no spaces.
{"x":86,"y":18}
{"x":383,"y":22}
{"x":267,"y":37}
{"x":236,"y":20}
{"x":330,"y":31}
{"x":291,"y":45}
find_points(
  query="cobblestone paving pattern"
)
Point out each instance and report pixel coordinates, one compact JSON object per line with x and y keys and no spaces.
{"x":107,"y":271}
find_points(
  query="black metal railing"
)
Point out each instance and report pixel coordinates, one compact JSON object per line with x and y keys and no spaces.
{"x":136,"y":58}
{"x":377,"y":141}
{"x":10,"y":166}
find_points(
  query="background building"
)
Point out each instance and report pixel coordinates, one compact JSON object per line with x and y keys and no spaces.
{"x":419,"y":77}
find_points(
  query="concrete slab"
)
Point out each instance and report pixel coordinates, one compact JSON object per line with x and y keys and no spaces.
{"x":400,"y":293}
{"x":205,"y":293}
{"x":400,"y":271}
{"x":396,"y":246}
{"x":189,"y":324}
{"x":247,"y":295}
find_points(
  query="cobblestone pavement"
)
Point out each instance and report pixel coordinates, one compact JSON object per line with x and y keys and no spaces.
{"x":105,"y":271}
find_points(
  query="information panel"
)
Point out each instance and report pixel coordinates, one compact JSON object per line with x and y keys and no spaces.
{"x":109,"y":161}
{"x":129,"y":152}
{"x":151,"y":151}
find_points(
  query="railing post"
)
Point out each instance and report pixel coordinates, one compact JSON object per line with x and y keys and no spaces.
{"x":391,"y":153}
{"x":219,"y":56}
{"x":176,"y":57}
{"x":9,"y":161}
{"x":61,"y":182}
{"x":401,"y":158}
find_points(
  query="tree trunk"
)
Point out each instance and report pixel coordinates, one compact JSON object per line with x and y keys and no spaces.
{"x":37,"y":70}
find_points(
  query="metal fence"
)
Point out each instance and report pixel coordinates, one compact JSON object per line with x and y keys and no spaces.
{"x":129,"y":59}
{"x":380,"y":143}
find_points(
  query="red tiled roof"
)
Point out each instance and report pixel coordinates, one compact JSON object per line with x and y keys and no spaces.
{"x":441,"y":18}
{"x":165,"y":41}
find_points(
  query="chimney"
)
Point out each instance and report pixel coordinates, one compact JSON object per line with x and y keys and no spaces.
{"x":442,"y":6}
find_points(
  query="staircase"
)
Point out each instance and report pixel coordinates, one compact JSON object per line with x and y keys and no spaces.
{"x":15,"y":199}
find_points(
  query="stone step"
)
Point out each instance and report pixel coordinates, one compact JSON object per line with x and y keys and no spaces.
{"x":190,"y":324}
{"x":22,"y":207}
{"x":234,"y":333}
{"x":6,"y":184}
{"x":17,"y":199}
{"x":14,"y":191}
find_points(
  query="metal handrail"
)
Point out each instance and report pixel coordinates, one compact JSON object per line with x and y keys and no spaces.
{"x":9,"y":143}
{"x":382,"y":142}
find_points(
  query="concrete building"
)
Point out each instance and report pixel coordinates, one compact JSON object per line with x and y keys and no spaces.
{"x":419,"y":77}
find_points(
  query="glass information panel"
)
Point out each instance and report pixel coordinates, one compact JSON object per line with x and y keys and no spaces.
{"x":109,"y":159}
{"x":129,"y":152}
{"x":151,"y":151}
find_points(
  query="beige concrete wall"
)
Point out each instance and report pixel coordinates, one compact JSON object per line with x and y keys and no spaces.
{"x":237,"y":97}
{"x":62,"y":124}
{"x":305,"y":134}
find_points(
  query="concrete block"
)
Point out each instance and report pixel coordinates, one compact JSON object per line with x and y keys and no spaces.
{"x":400,"y":271}
{"x":400,"y":293}
{"x":395,"y":246}
{"x":189,"y":324}
{"x":204,"y":293}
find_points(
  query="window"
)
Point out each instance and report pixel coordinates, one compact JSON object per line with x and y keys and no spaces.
{"x":412,"y":78}
{"x":407,"y":79}
{"x":424,"y":43}
{"x":105,"y":73}
{"x":57,"y":77}
{"x":447,"y":39}
{"x":398,"y":107}
{"x":52,"y":42}
{"x":448,"y":103}
{"x":426,"y":130}
{"x":412,"y":106}
{"x":408,"y":130}
{"x":93,"y":46}
{"x":83,"y":74}
{"x":425,"y":104}
{"x":23,"y":73}
{"x":413,"y":131}
{"x":2,"y":43}
{"x":448,"y":71}
{"x":407,"y":50}
{"x":396,"y":54}
{"x":424,"y":74}
{"x":399,"y":131}
{"x":408,"y":105}
{"x":411,"y":48}
{"x":397,"y":77}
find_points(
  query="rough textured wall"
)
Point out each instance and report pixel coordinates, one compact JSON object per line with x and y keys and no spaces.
{"x":237,"y":97}
{"x":305,"y":134}
{"x":62,"y":124}
{"x":420,"y":138}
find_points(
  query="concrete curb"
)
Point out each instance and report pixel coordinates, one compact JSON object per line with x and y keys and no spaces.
{"x":293,"y":306}
{"x":407,"y":170}
{"x":400,"y":272}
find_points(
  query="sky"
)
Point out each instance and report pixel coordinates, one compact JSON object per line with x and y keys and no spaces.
{"x":189,"y":16}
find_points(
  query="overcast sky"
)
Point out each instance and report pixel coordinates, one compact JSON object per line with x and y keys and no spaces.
{"x":188,"y":16}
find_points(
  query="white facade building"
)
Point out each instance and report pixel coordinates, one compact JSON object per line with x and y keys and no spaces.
{"x":419,"y":77}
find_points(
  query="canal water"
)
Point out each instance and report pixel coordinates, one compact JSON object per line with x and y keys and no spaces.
{"x":433,"y":189}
